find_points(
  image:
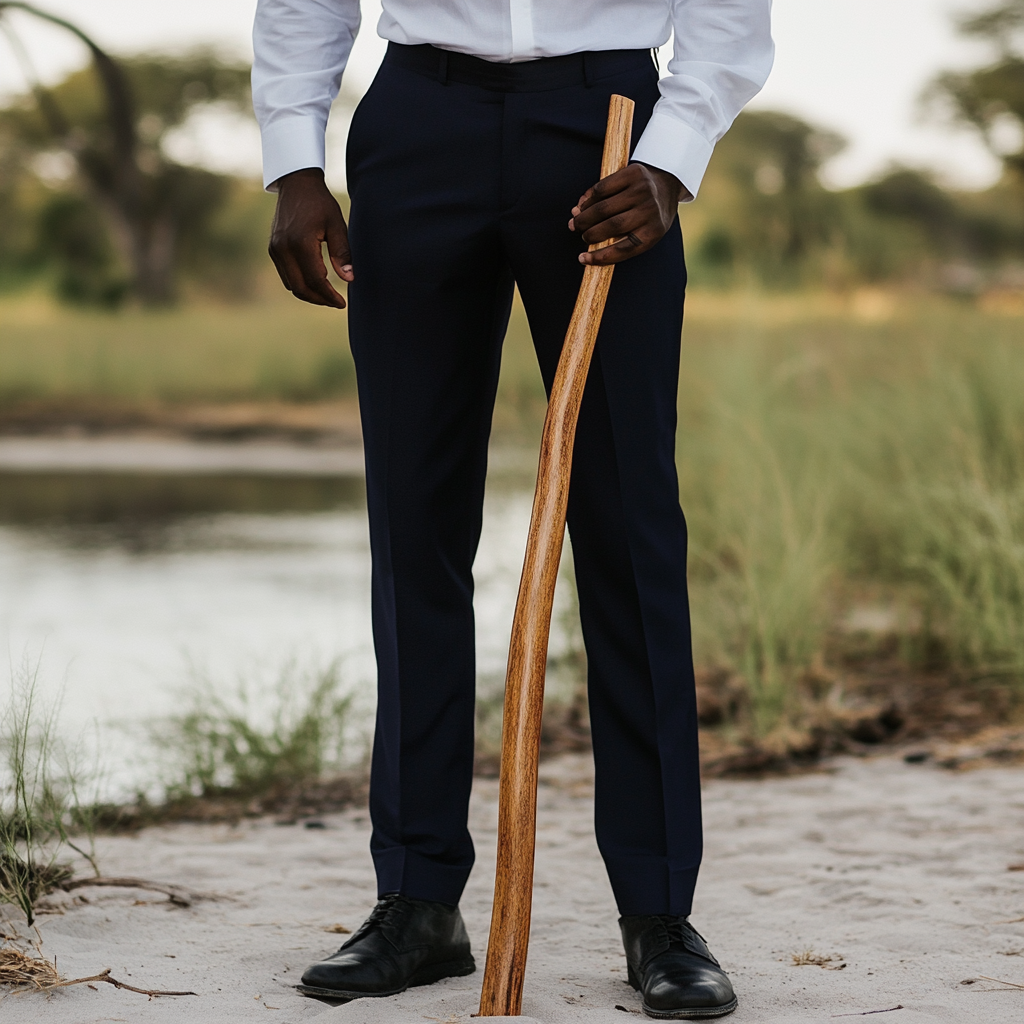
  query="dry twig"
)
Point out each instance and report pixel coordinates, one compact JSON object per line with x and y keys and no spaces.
{"x":998,"y":981}
{"x":26,"y":973}
{"x":866,"y":1013}
{"x":175,"y":893}
{"x":105,"y":976}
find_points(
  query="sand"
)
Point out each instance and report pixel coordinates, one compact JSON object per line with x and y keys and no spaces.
{"x":898,"y":873}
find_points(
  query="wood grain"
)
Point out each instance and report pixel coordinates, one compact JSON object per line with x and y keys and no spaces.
{"x":502,"y":993}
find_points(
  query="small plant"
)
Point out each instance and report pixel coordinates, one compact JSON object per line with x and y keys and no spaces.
{"x":257,"y":745}
{"x":40,"y":808}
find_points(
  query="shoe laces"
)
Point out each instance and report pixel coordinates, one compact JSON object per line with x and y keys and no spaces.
{"x":385,"y":908}
{"x":675,"y":928}
{"x":680,"y":933}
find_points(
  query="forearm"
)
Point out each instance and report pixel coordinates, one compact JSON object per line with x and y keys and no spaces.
{"x":300,"y":51}
{"x":722,"y":55}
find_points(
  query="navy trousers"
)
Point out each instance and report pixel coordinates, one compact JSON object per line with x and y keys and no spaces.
{"x":462,"y":176}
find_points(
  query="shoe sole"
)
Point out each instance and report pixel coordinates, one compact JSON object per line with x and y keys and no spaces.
{"x":424,"y":976}
{"x":696,"y":1013}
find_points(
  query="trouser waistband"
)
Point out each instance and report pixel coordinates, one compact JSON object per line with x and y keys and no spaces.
{"x":541,"y":75}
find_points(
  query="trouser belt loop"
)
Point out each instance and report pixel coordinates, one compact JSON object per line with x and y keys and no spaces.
{"x":588,"y":71}
{"x":442,"y":70}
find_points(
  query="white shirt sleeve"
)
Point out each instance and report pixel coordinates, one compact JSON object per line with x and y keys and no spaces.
{"x":722,"y":55}
{"x":300,"y":49}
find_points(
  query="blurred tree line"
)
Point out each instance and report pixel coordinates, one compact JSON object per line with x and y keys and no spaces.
{"x":764,"y":214}
{"x":90,"y":198}
{"x":91,"y":202}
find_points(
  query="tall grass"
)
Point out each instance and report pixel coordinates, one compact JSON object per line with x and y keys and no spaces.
{"x":953,"y":518}
{"x":759,"y":497}
{"x":826,"y":461}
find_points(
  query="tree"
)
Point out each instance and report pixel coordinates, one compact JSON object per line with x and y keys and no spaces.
{"x":113,"y":120}
{"x":991,"y":98}
{"x":771,"y":212}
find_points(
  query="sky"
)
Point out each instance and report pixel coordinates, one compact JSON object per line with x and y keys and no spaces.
{"x":855,"y":66}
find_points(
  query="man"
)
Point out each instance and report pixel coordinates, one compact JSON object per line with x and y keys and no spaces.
{"x":471,"y":168}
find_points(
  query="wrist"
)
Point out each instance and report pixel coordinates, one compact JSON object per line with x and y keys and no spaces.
{"x":303,"y":176}
{"x":668,"y":181}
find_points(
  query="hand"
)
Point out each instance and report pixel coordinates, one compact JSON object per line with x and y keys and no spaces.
{"x":307,"y":215}
{"x":638,"y":202}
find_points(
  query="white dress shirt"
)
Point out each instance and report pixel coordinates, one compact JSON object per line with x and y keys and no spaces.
{"x":723,"y":52}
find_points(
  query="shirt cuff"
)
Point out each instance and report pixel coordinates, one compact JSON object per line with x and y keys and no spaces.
{"x":674,"y":146}
{"x":291,"y":144}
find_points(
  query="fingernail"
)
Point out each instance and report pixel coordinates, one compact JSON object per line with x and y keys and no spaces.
{"x":583,"y":257}
{"x":347,"y":268}
{"x":575,"y":211}
{"x":572,"y":224}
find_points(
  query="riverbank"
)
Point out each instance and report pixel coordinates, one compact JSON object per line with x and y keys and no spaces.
{"x":869,"y":885}
{"x":144,"y":563}
{"x":850,"y":465}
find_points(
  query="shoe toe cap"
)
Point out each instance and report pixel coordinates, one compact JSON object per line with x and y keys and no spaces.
{"x":692,"y":990}
{"x":318,"y":975}
{"x":349,"y":974}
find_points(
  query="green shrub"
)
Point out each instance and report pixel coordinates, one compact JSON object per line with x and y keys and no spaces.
{"x":255,"y":743}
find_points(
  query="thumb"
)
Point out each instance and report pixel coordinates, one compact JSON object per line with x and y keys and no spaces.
{"x":337,"y":247}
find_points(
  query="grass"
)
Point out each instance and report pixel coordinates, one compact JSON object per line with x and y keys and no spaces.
{"x":40,"y":804}
{"x":252,"y":749}
{"x":272,"y":349}
{"x":843,"y":459}
{"x":198,"y":353}
{"x":830,"y":460}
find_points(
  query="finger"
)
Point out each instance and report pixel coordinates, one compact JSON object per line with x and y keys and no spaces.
{"x":618,"y":226}
{"x":632,"y":245}
{"x":291,"y":277}
{"x":583,"y":220}
{"x":615,"y":220}
{"x":609,"y":186}
{"x":279,"y":266}
{"x":287,"y":268}
{"x":295,"y":266}
{"x":313,"y":275}
{"x":338,"y":250}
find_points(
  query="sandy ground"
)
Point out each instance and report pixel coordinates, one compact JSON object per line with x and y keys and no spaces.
{"x":897,"y":872}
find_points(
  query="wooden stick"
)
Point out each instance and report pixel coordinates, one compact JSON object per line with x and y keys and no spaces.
{"x":502,"y":994}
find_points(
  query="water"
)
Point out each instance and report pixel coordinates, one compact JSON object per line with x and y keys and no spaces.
{"x":125,"y":587}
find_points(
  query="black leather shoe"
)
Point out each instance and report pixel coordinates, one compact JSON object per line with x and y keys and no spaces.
{"x":673,"y":969}
{"x":404,"y":942}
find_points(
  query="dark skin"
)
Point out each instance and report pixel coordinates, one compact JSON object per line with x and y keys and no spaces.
{"x":636,"y":205}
